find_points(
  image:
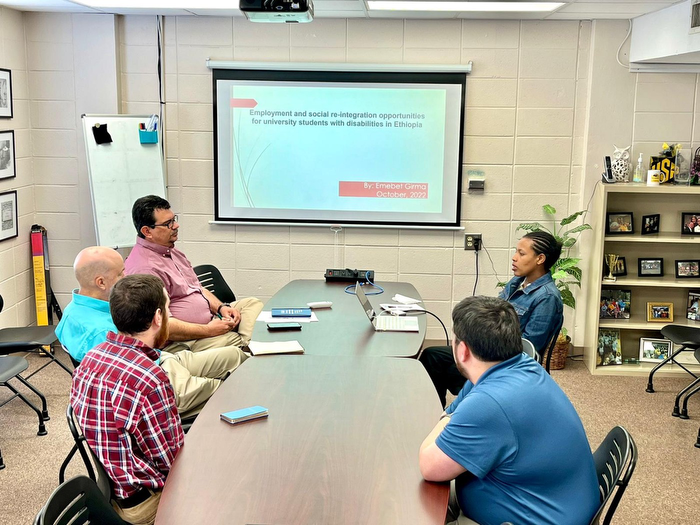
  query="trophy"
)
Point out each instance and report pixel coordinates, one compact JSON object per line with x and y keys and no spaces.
{"x":611,"y":260}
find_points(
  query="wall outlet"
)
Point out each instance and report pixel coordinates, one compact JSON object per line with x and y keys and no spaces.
{"x":472,"y":241}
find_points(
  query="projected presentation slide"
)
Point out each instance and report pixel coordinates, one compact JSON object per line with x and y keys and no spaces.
{"x":336,"y":152}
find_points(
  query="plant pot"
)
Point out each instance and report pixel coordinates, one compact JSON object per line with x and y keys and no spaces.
{"x":559,"y":353}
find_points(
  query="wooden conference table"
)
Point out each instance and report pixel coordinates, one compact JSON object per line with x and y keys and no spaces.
{"x":344,"y":328}
{"x":340,"y":445}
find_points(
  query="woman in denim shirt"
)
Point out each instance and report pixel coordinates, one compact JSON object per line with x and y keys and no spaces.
{"x":532,"y":293}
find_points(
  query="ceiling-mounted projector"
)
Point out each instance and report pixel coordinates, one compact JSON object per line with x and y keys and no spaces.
{"x":278,"y":11}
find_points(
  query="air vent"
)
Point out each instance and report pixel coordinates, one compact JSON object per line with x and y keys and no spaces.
{"x":695,"y":16}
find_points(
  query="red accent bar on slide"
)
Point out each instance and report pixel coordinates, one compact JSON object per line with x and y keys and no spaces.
{"x":243,"y":103}
{"x":383,"y":190}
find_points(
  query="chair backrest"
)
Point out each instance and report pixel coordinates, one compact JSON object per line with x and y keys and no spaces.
{"x":554,"y":335}
{"x":615,"y":460}
{"x":94,"y":468}
{"x":78,"y":501}
{"x":529,"y":349}
{"x":210,"y":278}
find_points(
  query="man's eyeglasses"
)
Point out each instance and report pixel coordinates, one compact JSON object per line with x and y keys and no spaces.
{"x":167,"y":224}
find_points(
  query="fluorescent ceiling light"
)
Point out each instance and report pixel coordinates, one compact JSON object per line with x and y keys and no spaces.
{"x":159,"y":4}
{"x":483,"y":7}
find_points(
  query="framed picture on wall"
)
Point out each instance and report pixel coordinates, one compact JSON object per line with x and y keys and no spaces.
{"x":619,"y":223}
{"x":8,"y":215}
{"x":8,"y":166}
{"x":654,"y":350}
{"x":5,"y":93}
{"x":650,"y":223}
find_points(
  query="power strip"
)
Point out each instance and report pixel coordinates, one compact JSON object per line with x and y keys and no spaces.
{"x":348,"y":276}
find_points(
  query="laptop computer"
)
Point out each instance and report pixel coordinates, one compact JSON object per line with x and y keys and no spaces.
{"x":385,"y":323}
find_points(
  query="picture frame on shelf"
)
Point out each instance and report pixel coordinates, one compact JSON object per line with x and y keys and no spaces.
{"x":619,"y":223}
{"x":5,"y":93}
{"x":693,"y":309}
{"x":686,"y":357}
{"x":609,"y":347}
{"x":659,"y":312}
{"x":619,"y":270}
{"x":650,"y":267}
{"x":8,"y":215}
{"x":690,"y":223}
{"x":8,"y":164}
{"x":615,"y":304}
{"x":687,"y":268}
{"x":654,"y":350}
{"x":650,"y":223}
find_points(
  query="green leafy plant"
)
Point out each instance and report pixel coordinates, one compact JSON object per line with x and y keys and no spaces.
{"x":566,"y":271}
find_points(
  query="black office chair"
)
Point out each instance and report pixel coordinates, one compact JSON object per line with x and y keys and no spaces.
{"x":687,"y":337}
{"x":547,"y":354}
{"x":94,"y":468}
{"x":615,"y":460}
{"x":78,"y":501}
{"x":689,"y":391}
{"x":28,"y":338}
{"x":210,"y":278}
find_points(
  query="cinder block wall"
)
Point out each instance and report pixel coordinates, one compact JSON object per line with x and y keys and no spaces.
{"x":534,"y":128}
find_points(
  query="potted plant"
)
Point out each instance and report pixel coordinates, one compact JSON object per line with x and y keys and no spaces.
{"x":566,"y":271}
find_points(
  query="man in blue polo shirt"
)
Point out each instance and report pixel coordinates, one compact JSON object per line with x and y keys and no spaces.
{"x":500,"y":440}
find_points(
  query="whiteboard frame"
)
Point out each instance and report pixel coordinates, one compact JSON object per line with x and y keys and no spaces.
{"x":87,"y":133}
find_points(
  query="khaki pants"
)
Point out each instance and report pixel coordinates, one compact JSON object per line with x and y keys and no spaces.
{"x":196,"y":376}
{"x":250,"y":308}
{"x":143,"y":513}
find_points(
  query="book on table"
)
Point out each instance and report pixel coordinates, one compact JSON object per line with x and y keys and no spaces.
{"x":244,"y":414}
{"x":291,"y":312}
{"x":275,"y":347}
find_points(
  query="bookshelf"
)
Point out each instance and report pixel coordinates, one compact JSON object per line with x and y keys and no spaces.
{"x":670,"y":202}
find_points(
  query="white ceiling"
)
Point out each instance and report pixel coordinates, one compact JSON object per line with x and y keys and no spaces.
{"x":572,"y":10}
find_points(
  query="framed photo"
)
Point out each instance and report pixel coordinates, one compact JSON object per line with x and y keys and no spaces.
{"x":650,"y":223}
{"x":686,"y":357}
{"x":650,"y":267}
{"x":660,"y":312}
{"x":693,"y":310}
{"x":615,"y":304}
{"x":8,"y":167}
{"x":609,"y":347}
{"x":5,"y":93}
{"x":619,"y":223}
{"x":619,"y":270}
{"x":690,"y":223}
{"x":654,"y":350}
{"x":8,"y":215}
{"x":687,"y":269}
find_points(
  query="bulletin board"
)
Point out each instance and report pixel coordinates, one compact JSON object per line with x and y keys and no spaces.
{"x":120,"y":172}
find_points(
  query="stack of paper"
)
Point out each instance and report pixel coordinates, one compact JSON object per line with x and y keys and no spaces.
{"x":275,"y":347}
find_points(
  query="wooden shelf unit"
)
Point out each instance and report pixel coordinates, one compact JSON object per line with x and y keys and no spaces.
{"x":670,"y":202}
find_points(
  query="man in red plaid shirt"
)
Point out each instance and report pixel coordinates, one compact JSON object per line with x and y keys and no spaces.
{"x":125,"y":403}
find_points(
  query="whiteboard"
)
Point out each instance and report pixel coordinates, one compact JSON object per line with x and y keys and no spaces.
{"x":120,"y":173}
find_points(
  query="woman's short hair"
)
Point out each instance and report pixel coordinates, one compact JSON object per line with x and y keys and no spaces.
{"x":545,"y":244}
{"x":134,"y":301}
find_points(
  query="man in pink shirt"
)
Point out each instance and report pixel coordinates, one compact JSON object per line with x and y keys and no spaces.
{"x":199,"y":320}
